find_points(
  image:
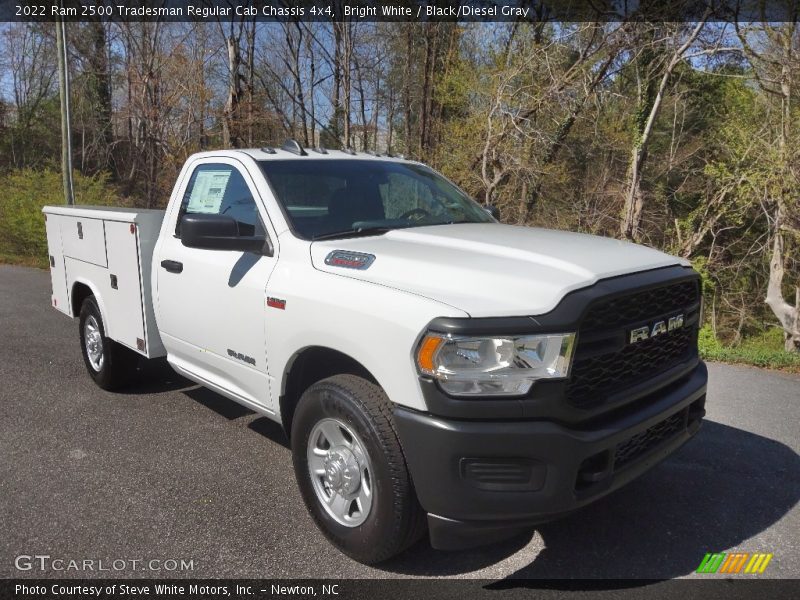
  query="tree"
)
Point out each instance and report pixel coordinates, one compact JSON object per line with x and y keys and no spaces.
{"x":773,"y":52}
{"x":650,"y":100}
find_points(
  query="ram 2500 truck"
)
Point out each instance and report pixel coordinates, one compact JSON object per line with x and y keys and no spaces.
{"x":433,"y":368}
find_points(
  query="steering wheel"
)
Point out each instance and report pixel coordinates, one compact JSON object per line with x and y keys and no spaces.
{"x":420,"y":213}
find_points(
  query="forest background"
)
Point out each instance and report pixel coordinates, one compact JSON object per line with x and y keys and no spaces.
{"x":682,"y":136}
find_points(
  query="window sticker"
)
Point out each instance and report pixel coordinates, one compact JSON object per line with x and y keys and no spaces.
{"x":208,"y":191}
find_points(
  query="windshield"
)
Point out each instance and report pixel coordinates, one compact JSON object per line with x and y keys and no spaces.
{"x":327,"y":198}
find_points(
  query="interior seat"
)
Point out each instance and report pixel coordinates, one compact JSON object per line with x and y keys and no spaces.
{"x":349,"y":205}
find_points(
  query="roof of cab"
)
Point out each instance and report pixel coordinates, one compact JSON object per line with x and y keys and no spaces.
{"x":280,"y":153}
{"x":294,"y":151}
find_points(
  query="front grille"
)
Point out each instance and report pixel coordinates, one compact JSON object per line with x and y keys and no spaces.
{"x":640,"y":306}
{"x":633,"y":448}
{"x":596,"y":375}
{"x":594,"y":378}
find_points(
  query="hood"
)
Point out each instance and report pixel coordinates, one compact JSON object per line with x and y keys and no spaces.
{"x":491,"y":269}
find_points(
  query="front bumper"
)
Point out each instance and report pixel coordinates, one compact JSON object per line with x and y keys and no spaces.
{"x":482,"y":480}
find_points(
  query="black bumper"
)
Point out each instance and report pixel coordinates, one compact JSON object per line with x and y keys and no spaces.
{"x":481,"y":480}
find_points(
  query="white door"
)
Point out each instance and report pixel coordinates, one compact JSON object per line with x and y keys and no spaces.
{"x":211,"y":303}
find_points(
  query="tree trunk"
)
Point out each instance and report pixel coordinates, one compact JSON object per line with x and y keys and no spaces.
{"x":634,"y":201}
{"x":337,"y":81}
{"x":230,"y":121}
{"x":788,"y":315}
{"x":201,"y":93}
{"x":426,"y":102}
{"x":390,"y":120}
{"x":347,"y":59}
{"x":407,"y":100}
{"x":251,"y":72}
{"x":312,"y":91}
{"x":362,"y":106}
{"x":295,"y":66}
{"x":102,"y":84}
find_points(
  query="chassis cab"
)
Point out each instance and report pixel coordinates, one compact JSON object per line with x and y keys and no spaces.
{"x":434,"y":369}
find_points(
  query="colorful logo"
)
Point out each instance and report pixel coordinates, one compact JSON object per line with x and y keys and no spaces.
{"x":737,"y":562}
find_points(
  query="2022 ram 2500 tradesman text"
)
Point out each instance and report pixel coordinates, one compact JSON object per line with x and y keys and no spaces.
{"x":431,"y":366}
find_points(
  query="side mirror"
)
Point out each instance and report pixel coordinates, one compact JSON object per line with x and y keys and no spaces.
{"x":220,"y":232}
{"x":492,"y":210}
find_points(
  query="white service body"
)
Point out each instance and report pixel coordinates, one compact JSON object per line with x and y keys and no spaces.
{"x":109,"y":251}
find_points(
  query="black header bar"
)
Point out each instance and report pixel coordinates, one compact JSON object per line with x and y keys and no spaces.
{"x":399,"y":11}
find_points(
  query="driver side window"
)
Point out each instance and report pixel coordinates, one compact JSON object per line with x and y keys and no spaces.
{"x":219,"y":189}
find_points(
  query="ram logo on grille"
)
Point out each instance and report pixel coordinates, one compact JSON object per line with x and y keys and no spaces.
{"x":657,"y":328}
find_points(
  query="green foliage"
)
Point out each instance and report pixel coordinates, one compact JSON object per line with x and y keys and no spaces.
{"x":700,"y":264}
{"x":762,"y":350}
{"x":33,"y":138}
{"x":709,"y":345}
{"x":25,"y":192}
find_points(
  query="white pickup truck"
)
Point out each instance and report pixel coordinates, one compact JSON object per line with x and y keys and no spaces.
{"x":432,"y":367}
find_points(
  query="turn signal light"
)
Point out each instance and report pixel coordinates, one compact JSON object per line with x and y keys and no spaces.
{"x":427,"y":350}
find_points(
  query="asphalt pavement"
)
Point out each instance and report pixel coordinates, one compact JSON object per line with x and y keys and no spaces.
{"x":170,"y":471}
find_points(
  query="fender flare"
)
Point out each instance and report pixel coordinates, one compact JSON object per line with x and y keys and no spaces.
{"x":98,"y":298}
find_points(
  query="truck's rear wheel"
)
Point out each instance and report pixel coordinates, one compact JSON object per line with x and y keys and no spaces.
{"x":351,"y":470}
{"x":110,"y":364}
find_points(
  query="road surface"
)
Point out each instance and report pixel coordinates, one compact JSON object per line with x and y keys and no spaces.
{"x":169,"y":470}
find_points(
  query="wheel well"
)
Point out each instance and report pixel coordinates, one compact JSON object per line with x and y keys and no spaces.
{"x":310,"y":366}
{"x":80,"y":291}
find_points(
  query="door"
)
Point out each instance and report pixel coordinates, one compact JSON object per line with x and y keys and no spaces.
{"x":58,"y":276}
{"x":211,"y":302}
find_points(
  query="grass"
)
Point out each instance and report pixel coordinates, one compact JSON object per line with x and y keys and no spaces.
{"x":762,"y":350}
{"x":25,"y":192}
{"x":38,"y":262}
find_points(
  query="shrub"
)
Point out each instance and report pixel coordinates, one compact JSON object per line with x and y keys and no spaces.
{"x":762,"y":350}
{"x":25,"y":192}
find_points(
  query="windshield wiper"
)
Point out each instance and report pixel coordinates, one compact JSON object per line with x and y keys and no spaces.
{"x":362,"y":231}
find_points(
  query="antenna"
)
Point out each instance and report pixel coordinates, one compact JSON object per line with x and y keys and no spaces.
{"x":294,"y":147}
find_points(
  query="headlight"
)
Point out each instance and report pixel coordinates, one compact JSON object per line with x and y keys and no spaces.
{"x":494,"y":366}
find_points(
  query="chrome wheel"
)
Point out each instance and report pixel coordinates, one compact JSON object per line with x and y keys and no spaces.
{"x":93,"y":340}
{"x":341,"y":472}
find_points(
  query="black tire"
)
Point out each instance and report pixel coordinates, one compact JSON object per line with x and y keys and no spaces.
{"x":395,"y":520}
{"x":118,"y":367}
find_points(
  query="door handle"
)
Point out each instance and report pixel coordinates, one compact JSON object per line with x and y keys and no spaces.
{"x":173,"y":266}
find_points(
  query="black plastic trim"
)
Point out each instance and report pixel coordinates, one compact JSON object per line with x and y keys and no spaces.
{"x":434,"y":447}
{"x":567,"y":315}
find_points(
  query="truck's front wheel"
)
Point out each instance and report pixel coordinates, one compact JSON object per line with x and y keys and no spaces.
{"x":351,"y":470}
{"x":111,"y":365}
